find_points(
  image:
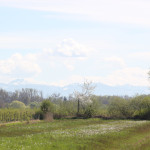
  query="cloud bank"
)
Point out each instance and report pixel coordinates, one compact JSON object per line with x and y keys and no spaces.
{"x":72,"y":56}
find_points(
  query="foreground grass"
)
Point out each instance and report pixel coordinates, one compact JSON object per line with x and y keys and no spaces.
{"x":80,"y":134}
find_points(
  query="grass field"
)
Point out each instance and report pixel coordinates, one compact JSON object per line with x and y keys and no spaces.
{"x":76,"y":134}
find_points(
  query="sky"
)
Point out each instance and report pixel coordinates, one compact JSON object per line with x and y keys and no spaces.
{"x":61,"y":42}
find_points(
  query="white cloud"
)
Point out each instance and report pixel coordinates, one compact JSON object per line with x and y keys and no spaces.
{"x":69,"y":64}
{"x":70,"y":80}
{"x":118,"y":11}
{"x":71,"y":48}
{"x":68,"y":52}
{"x":19,"y":66}
{"x":115,"y":61}
{"x":67,"y":48}
{"x":145,"y":55}
{"x":131,"y":76}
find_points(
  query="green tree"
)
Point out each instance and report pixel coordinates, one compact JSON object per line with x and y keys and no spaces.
{"x":17,"y":104}
{"x":119,"y":108}
{"x":46,"y":106}
{"x":140,"y":107}
{"x":34,"y":105}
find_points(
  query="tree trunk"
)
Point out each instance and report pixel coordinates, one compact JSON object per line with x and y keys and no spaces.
{"x":78,"y":107}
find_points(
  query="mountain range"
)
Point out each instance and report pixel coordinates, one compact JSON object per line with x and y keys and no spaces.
{"x":101,"y":89}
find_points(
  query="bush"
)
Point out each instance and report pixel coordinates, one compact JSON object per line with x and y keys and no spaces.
{"x":39,"y":115}
{"x":144,"y":114}
{"x":18,"y":105}
{"x":119,"y":108}
{"x":60,"y":112}
{"x":7,"y":115}
{"x":34,"y":105}
{"x":89,"y":112}
{"x":46,"y":106}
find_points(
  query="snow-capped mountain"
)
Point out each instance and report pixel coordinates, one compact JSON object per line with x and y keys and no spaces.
{"x":101,"y":89}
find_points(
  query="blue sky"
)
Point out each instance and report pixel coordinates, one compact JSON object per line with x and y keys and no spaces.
{"x":64,"y":41}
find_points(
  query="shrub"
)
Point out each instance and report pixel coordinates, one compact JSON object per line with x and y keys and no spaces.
{"x":119,"y":108}
{"x":89,"y":112}
{"x":39,"y":115}
{"x":60,"y":112}
{"x":17,"y":104}
{"x":144,"y":114}
{"x":46,"y":106}
{"x":34,"y":105}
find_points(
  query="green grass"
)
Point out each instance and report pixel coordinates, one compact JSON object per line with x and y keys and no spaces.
{"x":76,"y":134}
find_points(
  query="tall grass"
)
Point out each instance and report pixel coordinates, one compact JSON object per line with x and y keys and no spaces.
{"x":84,"y":134}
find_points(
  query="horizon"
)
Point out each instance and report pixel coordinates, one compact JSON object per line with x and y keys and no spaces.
{"x":100,"y":89}
{"x":24,"y":82}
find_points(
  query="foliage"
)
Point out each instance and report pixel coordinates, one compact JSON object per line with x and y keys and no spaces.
{"x":46,"y":106}
{"x":119,"y":108}
{"x":83,"y":98}
{"x":34,"y":105}
{"x":26,"y":96}
{"x":137,"y":107}
{"x":89,"y":112}
{"x":8,"y":115}
{"x":39,"y":114}
{"x":17,"y":104}
{"x":82,"y":103}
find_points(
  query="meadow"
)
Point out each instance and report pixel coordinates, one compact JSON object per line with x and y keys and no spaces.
{"x":76,"y":134}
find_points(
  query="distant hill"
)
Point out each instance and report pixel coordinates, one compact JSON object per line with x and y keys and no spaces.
{"x":101,"y":89}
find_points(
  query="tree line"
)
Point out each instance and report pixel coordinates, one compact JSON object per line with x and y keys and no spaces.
{"x":79,"y":104}
{"x":26,"y":96}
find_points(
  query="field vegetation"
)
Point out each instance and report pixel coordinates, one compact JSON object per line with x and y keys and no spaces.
{"x":76,"y":134}
{"x":80,"y":121}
